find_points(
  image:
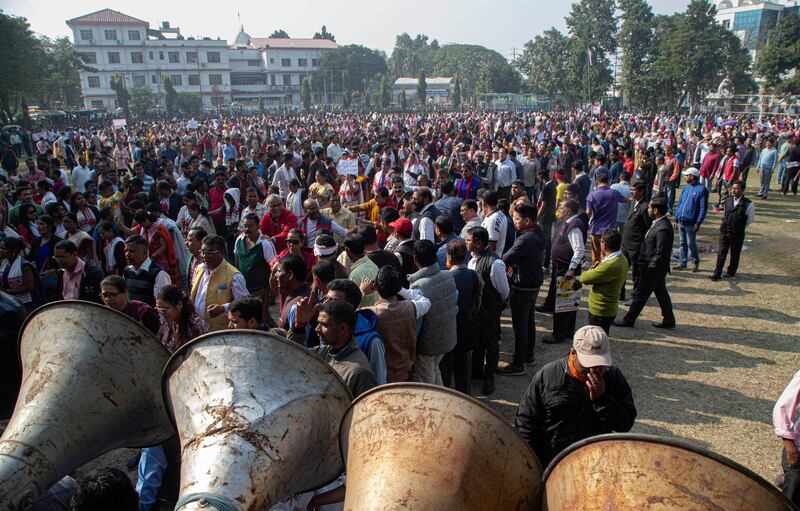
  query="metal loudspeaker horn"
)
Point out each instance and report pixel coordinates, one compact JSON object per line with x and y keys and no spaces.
{"x":258,"y":419}
{"x":628,"y":472}
{"x":412,"y":446}
{"x":90,"y":384}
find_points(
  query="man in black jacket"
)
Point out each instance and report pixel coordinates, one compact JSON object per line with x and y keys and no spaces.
{"x":546,"y":214}
{"x":78,"y":279}
{"x":575,"y":397}
{"x":525,"y":260}
{"x":738,"y":214}
{"x":635,"y":228}
{"x":654,"y":266}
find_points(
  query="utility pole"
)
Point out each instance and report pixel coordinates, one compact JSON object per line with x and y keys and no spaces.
{"x":513,"y":54}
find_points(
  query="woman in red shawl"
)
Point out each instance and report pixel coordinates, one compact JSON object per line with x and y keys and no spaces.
{"x":159,"y":243}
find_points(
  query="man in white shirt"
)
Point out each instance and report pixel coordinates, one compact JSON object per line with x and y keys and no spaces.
{"x":738,"y":214}
{"x":495,"y":222}
{"x":506,"y":174}
{"x":284,"y":175}
{"x":334,"y":150}
{"x":80,"y":175}
{"x":212,"y":301}
{"x":492,"y":270}
{"x":469,"y":212}
{"x":425,"y":224}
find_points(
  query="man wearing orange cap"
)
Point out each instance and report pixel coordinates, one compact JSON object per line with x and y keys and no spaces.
{"x":575,"y":397}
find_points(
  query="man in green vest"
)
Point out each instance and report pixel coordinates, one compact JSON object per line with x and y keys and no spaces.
{"x":606,"y":279}
{"x":253,"y":252}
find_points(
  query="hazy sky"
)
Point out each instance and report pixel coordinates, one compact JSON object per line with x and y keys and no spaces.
{"x":497,"y":24}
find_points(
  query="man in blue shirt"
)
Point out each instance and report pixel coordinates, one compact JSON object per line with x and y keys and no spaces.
{"x":689,"y":215}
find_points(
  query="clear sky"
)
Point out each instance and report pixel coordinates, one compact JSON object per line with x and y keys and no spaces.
{"x":500,"y":25}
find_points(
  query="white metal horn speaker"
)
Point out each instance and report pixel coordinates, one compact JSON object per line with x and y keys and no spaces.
{"x":90,"y":384}
{"x":412,"y":446}
{"x":258,"y":420}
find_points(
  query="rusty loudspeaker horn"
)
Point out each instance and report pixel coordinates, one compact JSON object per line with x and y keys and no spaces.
{"x":412,"y":446}
{"x":628,"y":472}
{"x":258,"y":419}
{"x":90,"y":384}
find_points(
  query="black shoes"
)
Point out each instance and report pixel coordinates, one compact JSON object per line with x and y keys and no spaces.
{"x":511,"y":370}
{"x":488,"y":388}
{"x":622,"y":323}
{"x":714,"y":277}
{"x":727,"y":275}
{"x":549,"y":339}
{"x":542,"y":308}
{"x":665,"y":326}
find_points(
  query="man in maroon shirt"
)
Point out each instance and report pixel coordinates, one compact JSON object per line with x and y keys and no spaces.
{"x":277,"y":222}
{"x":709,"y":166}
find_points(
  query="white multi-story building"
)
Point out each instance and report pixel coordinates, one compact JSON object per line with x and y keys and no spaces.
{"x":252,"y":69}
{"x":752,"y":20}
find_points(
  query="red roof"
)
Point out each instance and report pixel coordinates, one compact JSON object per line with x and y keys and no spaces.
{"x":107,"y":16}
{"x":297,"y":43}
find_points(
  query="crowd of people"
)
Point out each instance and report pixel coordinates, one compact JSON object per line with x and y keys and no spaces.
{"x":391,"y":245}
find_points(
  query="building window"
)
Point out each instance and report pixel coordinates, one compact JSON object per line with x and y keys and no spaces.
{"x":213,"y":57}
{"x":139,"y":80}
{"x":134,"y":35}
{"x":271,"y":61}
{"x":174,"y":57}
{"x":111,"y":35}
{"x":726,"y":24}
{"x":137,"y":57}
{"x":191,"y":57}
{"x":314,"y":62}
{"x":161,"y":55}
{"x":150,"y":55}
{"x":177,"y":80}
{"x":253,"y":63}
{"x":286,"y":62}
{"x":215,"y":79}
{"x":153,"y":79}
{"x":302,"y":62}
{"x":88,"y":57}
{"x":287,"y":80}
{"x":86,"y":35}
{"x":97,"y":103}
{"x":113,"y":57}
{"x":272,"y":79}
{"x":94,"y":82}
{"x":194,"y":79}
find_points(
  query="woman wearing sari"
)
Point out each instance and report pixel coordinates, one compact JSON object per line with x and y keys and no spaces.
{"x":18,"y":276}
{"x":159,"y":243}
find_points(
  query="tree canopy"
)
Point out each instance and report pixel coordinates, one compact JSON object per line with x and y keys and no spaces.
{"x":280,"y":34}
{"x":324,"y":34}
{"x":361,"y":63}
{"x":780,"y":56}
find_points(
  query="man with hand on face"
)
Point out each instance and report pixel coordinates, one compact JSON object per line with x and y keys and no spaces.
{"x":575,"y":397}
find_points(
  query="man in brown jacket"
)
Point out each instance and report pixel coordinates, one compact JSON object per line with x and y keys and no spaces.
{"x":397,"y":322}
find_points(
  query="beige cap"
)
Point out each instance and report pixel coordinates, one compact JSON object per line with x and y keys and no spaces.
{"x":591,"y":346}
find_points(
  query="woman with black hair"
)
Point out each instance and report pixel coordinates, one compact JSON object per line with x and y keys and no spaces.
{"x":181,"y":323}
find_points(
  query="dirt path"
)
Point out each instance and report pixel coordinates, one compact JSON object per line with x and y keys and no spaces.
{"x":714,"y":379}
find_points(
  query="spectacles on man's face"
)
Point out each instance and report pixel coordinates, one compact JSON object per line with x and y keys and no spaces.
{"x":292,"y":242}
{"x":109,"y":294}
{"x":209,"y":252}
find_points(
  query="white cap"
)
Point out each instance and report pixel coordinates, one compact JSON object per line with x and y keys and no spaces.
{"x":591,"y":346}
{"x":691,"y":171}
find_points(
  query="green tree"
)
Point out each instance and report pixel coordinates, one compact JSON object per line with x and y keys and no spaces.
{"x":347,"y":92}
{"x":280,"y":34}
{"x":779,"y":59}
{"x":466,"y":61}
{"x":21,"y":54}
{"x":324,"y":34}
{"x":361,"y":64}
{"x":544,"y":62}
{"x":59,"y":79}
{"x":385,"y":92}
{"x":123,"y":97}
{"x":189,"y":104}
{"x":456,"y":99}
{"x":170,"y":96}
{"x":305,"y":94}
{"x":141,"y":100}
{"x":402,"y":100}
{"x":637,"y":41}
{"x":422,"y":89}
{"x":592,"y":25}
{"x":696,"y":54}
{"x":409,"y":55}
{"x":485,"y":84}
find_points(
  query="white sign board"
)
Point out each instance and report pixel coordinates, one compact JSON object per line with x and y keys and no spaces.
{"x":192,"y":125}
{"x":118,"y":123}
{"x":348,"y":167}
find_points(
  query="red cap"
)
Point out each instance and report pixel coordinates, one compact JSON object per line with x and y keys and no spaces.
{"x":402,"y":225}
